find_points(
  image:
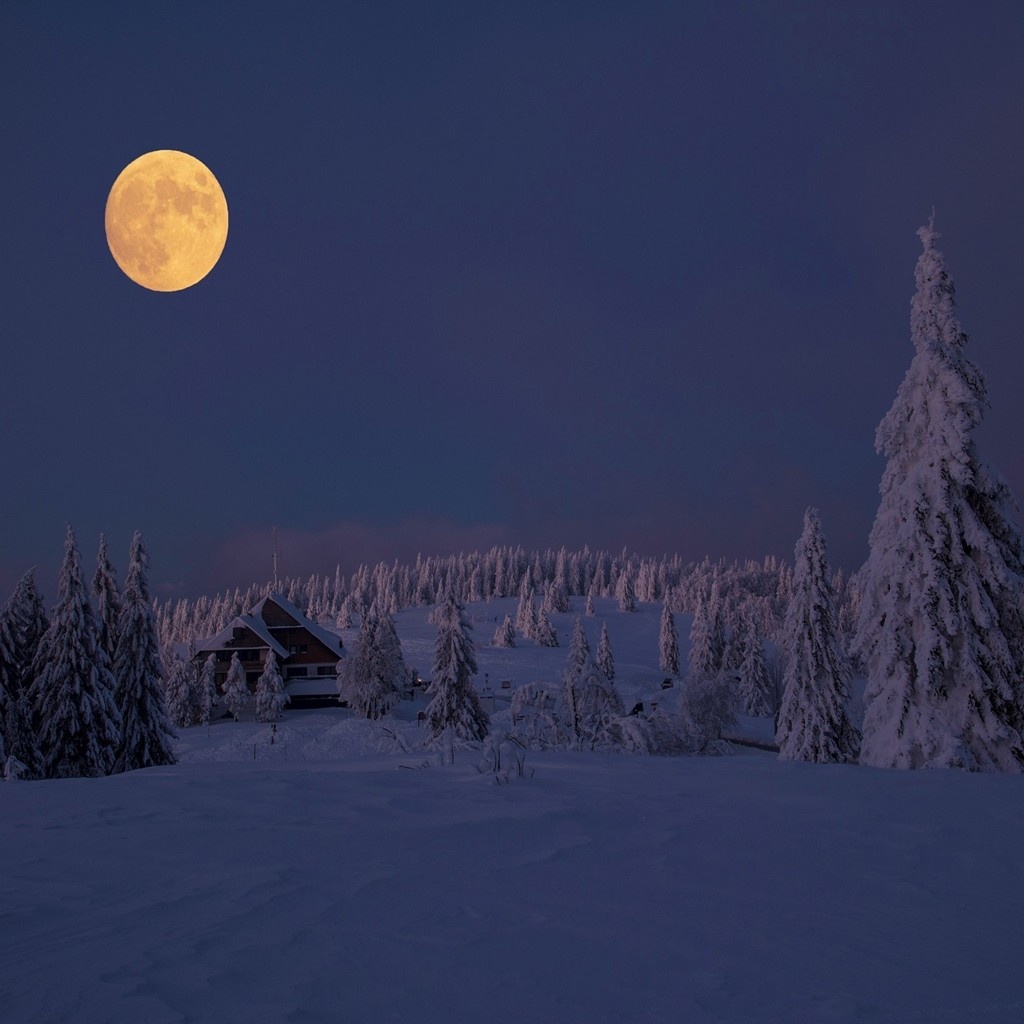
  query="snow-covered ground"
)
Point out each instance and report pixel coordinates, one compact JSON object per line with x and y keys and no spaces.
{"x":341,"y":874}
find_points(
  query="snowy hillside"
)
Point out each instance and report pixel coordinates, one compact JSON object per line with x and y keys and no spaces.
{"x":340,"y":874}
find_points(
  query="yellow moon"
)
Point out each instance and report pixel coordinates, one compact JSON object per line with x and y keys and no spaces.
{"x":166,"y":220}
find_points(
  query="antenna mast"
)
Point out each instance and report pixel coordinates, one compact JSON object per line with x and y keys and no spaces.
{"x":275,"y":558}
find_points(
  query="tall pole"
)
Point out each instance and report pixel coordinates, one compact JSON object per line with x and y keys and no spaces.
{"x":275,"y":558}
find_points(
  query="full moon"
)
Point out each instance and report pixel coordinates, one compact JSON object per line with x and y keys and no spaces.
{"x":166,"y":220}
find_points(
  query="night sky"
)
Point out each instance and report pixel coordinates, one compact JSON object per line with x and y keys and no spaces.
{"x":618,"y":274}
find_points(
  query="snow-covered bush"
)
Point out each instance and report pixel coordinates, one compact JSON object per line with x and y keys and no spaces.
{"x":535,"y":718}
{"x":650,"y":732}
{"x":707,"y":708}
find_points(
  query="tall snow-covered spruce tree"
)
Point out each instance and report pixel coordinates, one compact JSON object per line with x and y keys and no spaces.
{"x":940,"y":628}
{"x":814,"y":723}
{"x":79,"y":722}
{"x":454,"y":704}
{"x":147,"y":737}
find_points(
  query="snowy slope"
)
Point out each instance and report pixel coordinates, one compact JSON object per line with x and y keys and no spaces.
{"x":603,"y":889}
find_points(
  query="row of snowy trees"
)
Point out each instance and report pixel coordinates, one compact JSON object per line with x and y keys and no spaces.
{"x":374,"y":675}
{"x":81,"y":689}
{"x":543,"y":582}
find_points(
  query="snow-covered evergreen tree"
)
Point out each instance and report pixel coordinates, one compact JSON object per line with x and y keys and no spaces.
{"x":707,"y":642}
{"x":625,"y":591}
{"x":346,"y":612}
{"x":605,"y":659}
{"x":270,"y":692}
{"x":579,"y":650}
{"x":942,"y":593}
{"x":558,"y":597}
{"x":454,"y":706}
{"x":814,"y":722}
{"x":668,"y":642}
{"x":545,"y":633}
{"x":755,"y":681}
{"x":505,"y":634}
{"x":375,"y":671}
{"x":236,"y":690}
{"x":147,"y":738}
{"x":206,"y":696}
{"x":29,"y":624}
{"x":526,"y":611}
{"x":72,"y":685}
{"x":106,"y":600}
{"x":179,"y":693}
{"x":15,"y":709}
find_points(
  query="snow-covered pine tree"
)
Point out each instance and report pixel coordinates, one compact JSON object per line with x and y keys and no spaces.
{"x":454,"y":704}
{"x":705,"y":656}
{"x":236,"y":689}
{"x":179,"y":694}
{"x":526,"y":610}
{"x":755,"y":682}
{"x":15,"y":710}
{"x":625,"y":591}
{"x":106,"y":600}
{"x":374,"y":672}
{"x":505,"y":634}
{"x":29,"y":625}
{"x":942,"y":593}
{"x":579,"y":650}
{"x":347,"y":611}
{"x":590,"y":701}
{"x":545,"y":633}
{"x":605,"y":659}
{"x":558,"y":596}
{"x":207,"y":690}
{"x":147,"y":738}
{"x":270,"y":692}
{"x":668,"y":642}
{"x":72,"y":685}
{"x":814,"y":723}
{"x":9,"y":682}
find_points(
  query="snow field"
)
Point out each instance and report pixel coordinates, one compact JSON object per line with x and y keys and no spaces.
{"x":605,"y":888}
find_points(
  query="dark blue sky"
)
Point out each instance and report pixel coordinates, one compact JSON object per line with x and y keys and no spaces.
{"x":618,"y":274}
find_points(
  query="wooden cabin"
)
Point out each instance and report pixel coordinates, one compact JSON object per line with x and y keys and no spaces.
{"x":307,"y":653}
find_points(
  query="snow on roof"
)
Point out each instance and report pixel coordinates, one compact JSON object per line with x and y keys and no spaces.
{"x":254,"y":621}
{"x":257,"y":625}
{"x":330,"y":640}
